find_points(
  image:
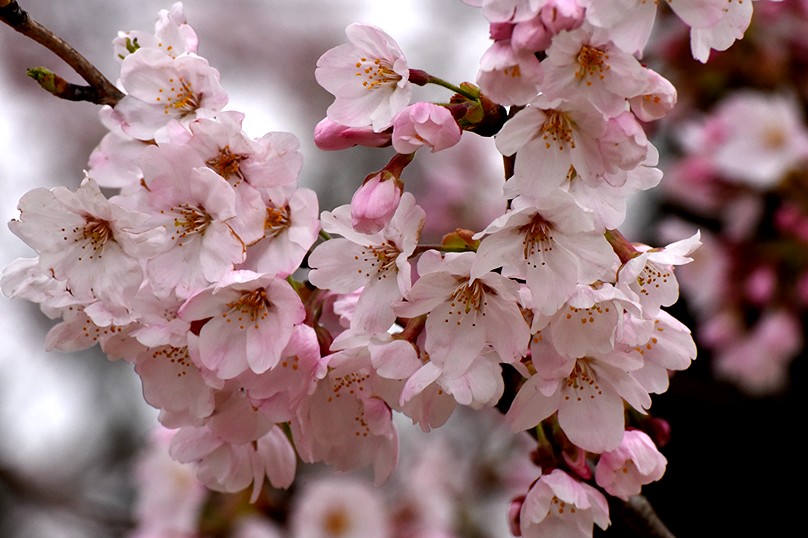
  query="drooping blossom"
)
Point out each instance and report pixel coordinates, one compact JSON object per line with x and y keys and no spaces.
{"x":623,"y":471}
{"x":559,"y":505}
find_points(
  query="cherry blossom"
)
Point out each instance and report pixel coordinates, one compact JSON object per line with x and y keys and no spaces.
{"x":548,"y":137}
{"x":559,"y":505}
{"x":161,"y":88}
{"x":378,"y":262}
{"x":465,"y":313}
{"x":251,"y":317}
{"x":587,"y":393}
{"x":368,"y":76}
{"x":93,"y":244}
{"x":551,"y":242}
{"x":636,"y":462}
{"x":424,"y":124}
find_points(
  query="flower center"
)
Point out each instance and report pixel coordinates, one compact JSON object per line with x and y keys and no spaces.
{"x":252,"y":306}
{"x":189,"y":220}
{"x":336,"y":522}
{"x":277,"y":220}
{"x":581,"y":379}
{"x":560,"y":506}
{"x":650,"y":277}
{"x":178,"y":356}
{"x":95,"y":234}
{"x":226,"y":164}
{"x":591,"y":63}
{"x":469,"y":296}
{"x":538,"y":239}
{"x":557,"y":129}
{"x":180,"y":98}
{"x":376,"y":74}
{"x":379,"y":260}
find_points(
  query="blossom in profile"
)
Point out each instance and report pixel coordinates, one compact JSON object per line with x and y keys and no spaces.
{"x":559,"y":505}
{"x":369,"y":78}
{"x":424,"y":124}
{"x":623,"y":471}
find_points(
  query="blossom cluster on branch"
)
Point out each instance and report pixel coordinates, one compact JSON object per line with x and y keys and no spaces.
{"x":267,"y":333}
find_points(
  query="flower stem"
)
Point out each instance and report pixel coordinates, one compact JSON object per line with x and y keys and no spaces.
{"x":100,"y":90}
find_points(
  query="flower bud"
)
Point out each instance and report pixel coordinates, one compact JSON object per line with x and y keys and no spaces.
{"x":332,"y":136}
{"x":374,"y":203}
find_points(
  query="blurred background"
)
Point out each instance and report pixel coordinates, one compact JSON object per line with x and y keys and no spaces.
{"x":72,"y":425}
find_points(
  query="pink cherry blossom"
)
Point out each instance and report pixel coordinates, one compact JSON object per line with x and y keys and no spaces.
{"x":378,"y":261}
{"x":548,"y":137}
{"x":172,"y":36}
{"x":465,"y":313}
{"x":252,"y":317}
{"x":580,"y":63}
{"x":195,"y":209}
{"x":733,"y":22}
{"x":623,"y":471}
{"x":169,"y":497}
{"x":290,"y":229}
{"x":344,"y":424}
{"x":507,"y":10}
{"x":759,"y":360}
{"x":650,"y":278}
{"x":588,"y":394}
{"x":368,"y":76}
{"x":549,"y":241}
{"x":509,"y":76}
{"x":559,"y":505}
{"x":424,"y":124}
{"x":160,"y":88}
{"x":93,"y":244}
{"x":763,"y":138}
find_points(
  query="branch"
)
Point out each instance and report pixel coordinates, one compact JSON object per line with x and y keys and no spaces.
{"x":100,"y":90}
{"x":639,"y":516}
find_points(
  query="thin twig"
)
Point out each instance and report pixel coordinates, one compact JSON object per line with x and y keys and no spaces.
{"x":100,"y":91}
{"x":638,"y":515}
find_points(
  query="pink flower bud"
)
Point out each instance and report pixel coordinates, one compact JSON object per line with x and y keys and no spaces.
{"x":332,"y":136}
{"x":374,"y":203}
{"x":424,"y":124}
{"x":514,"y":511}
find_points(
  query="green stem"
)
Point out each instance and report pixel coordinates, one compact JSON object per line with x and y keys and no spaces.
{"x":456,"y":89}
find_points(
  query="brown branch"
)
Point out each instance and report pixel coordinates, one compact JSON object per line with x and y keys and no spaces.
{"x":100,"y":90}
{"x":639,"y":516}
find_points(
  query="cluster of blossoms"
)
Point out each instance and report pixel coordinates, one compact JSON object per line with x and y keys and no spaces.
{"x":196,"y":271}
{"x":741,"y":178}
